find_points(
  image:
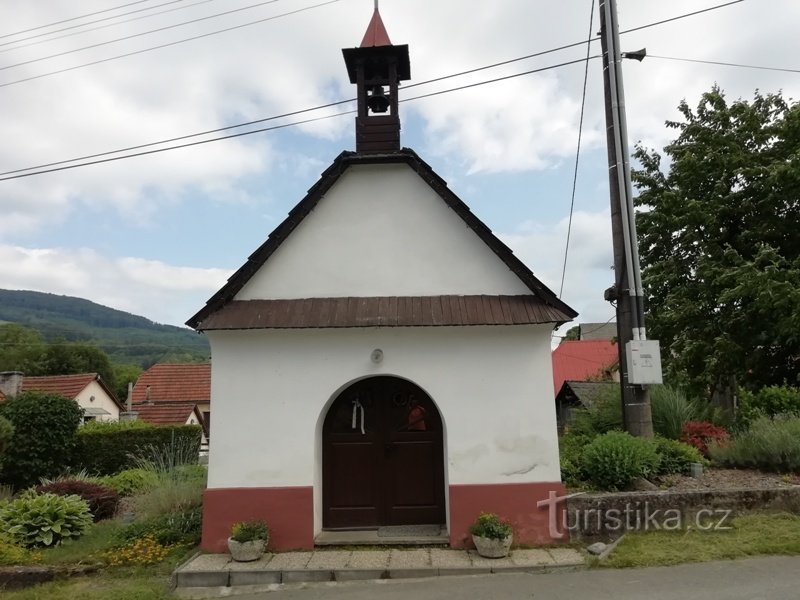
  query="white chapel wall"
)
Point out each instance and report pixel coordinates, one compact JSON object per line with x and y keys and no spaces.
{"x":381,"y":231}
{"x":493,"y":386}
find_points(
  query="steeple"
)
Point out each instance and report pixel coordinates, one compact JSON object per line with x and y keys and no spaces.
{"x":377,"y":67}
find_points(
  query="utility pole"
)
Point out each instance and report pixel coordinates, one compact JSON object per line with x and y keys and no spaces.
{"x":639,"y":359}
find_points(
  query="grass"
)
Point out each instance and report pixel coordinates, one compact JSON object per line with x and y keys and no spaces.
{"x":85,"y":549}
{"x":119,"y":586}
{"x":751,"y":535}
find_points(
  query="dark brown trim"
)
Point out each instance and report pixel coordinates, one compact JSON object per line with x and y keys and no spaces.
{"x":326,"y":181}
{"x":380,"y":311}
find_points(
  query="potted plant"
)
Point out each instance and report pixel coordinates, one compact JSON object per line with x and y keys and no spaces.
{"x":248,"y":540}
{"x":492,"y":536}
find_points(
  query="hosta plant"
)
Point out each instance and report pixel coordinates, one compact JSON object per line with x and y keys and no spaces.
{"x":36,"y":520}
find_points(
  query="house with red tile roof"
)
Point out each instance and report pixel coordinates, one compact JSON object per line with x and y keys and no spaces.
{"x":576,"y":362}
{"x":174,"y":394}
{"x":89,"y":390}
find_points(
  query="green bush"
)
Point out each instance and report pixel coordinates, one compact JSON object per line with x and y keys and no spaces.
{"x":6,"y":433}
{"x":676,"y":456}
{"x":131,"y":481}
{"x":770,"y":401}
{"x":182,"y":528}
{"x":570,"y":447}
{"x":174,"y":493}
{"x":35,"y":520}
{"x":613,"y":460}
{"x":769,"y":444}
{"x":604,"y":414}
{"x":671,"y":409}
{"x":44,"y":436}
{"x":108,"y":448}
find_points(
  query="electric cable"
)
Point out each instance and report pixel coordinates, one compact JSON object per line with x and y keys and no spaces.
{"x":155,"y":14}
{"x":168,"y":44}
{"x":577,"y":151}
{"x":5,"y":35}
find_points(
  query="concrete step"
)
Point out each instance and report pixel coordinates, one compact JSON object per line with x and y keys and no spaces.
{"x":218,"y":571}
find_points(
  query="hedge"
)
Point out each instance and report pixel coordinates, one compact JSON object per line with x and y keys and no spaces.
{"x":107,"y":448}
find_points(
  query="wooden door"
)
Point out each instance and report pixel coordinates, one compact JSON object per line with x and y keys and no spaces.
{"x":382,"y":457}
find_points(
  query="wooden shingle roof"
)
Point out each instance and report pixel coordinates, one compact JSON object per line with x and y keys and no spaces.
{"x":550,"y":309}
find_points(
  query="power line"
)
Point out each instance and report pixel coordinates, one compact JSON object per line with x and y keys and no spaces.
{"x":724,"y":64}
{"x":284,"y":125}
{"x":572,"y":45}
{"x":577,"y":151}
{"x":683,"y":16}
{"x":38,"y":35}
{"x":168,"y":44}
{"x":140,"y":34}
{"x":436,"y":79}
{"x":5,"y":35}
{"x":293,"y":113}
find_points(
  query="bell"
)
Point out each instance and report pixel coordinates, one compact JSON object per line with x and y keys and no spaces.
{"x":378,"y":102}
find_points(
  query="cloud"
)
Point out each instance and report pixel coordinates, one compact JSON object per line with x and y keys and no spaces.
{"x":161,"y":292}
{"x":589,"y":262}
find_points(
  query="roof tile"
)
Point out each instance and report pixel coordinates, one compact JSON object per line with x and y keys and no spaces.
{"x":189,"y":383}
{"x":581,"y":360}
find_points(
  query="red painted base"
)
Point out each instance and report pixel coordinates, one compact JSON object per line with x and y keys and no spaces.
{"x":516,"y":502}
{"x":289,"y":512}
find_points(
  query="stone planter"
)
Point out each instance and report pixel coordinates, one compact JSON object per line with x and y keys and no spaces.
{"x":246,"y":551}
{"x":491,"y":548}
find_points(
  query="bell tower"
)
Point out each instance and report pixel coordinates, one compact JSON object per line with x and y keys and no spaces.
{"x":376,"y":68}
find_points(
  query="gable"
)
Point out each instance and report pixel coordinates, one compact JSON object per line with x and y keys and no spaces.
{"x":438,"y":249}
{"x":381,"y":231}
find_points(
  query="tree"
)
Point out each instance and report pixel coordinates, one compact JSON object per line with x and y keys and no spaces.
{"x":21,"y":349}
{"x":67,"y":358}
{"x":718,"y":242}
{"x":573,"y":333}
{"x":124,"y":374}
{"x":43,"y":436}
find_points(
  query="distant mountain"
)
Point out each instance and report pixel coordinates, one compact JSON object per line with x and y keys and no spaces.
{"x":125,"y":337}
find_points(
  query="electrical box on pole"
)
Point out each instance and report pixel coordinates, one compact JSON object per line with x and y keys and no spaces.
{"x":644,"y":362}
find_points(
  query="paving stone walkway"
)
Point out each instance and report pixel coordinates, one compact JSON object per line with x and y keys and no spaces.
{"x":219,"y":571}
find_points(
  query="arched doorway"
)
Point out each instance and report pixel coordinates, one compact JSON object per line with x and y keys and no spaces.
{"x":382,"y":457}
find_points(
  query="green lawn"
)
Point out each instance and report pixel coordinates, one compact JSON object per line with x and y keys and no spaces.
{"x":100,"y":587}
{"x":751,"y":535}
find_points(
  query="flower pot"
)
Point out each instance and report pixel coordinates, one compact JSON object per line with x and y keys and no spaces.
{"x":491,"y":548}
{"x":246,"y":551}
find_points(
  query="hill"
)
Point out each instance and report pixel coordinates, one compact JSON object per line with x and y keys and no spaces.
{"x":125,"y":337}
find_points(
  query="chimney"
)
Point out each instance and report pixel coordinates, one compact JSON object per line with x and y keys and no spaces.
{"x":377,"y":67}
{"x":129,"y":414}
{"x":11,"y":383}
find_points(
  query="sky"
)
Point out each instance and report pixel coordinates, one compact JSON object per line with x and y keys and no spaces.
{"x":157,"y":235}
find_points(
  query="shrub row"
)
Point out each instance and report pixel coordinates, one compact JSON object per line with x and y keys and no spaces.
{"x":108,"y":448}
{"x":769,"y":444}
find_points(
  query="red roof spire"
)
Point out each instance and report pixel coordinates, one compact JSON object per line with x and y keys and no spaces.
{"x":376,"y":31}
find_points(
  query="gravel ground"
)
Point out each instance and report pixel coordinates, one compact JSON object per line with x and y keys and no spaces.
{"x":726,"y":479}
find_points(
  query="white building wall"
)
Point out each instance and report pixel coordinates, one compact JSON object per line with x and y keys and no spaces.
{"x":381,"y":231}
{"x":493,"y":386}
{"x":94,"y":396}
